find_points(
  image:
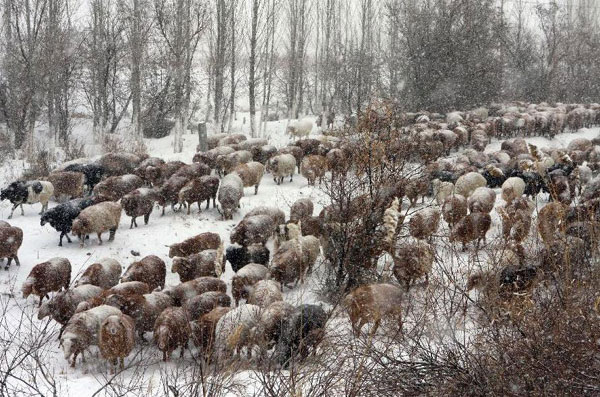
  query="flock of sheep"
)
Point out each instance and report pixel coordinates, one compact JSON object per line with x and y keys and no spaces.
{"x":111,"y":309}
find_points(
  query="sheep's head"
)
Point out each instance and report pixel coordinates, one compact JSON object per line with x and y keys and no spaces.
{"x":44,"y":310}
{"x":78,"y":227}
{"x":162,"y":336}
{"x":113,"y":325}
{"x":68,"y":342}
{"x":27,"y":288}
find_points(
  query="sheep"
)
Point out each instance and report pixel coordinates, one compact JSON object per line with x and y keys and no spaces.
{"x":313,"y":167}
{"x":424,"y":223}
{"x":272,"y":319}
{"x":61,"y":217}
{"x":232,"y":139}
{"x":115,"y":187}
{"x":171,"y":331}
{"x":371,"y":303}
{"x":125,"y":289}
{"x":308,"y":145}
{"x":204,"y":263}
{"x":275,"y":213}
{"x":245,"y":278}
{"x":230,"y":193}
{"x":264,"y":293}
{"x":441,"y":190}
{"x":82,"y":331}
{"x":494,"y":176}
{"x":559,"y":188}
{"x":93,"y":173}
{"x":19,"y":193}
{"x":150,"y":270}
{"x":300,"y":128}
{"x":169,"y":192}
{"x":5,"y":224}
{"x":482,"y":200}
{"x":234,"y":330}
{"x":295,"y":151}
{"x":195,"y":244}
{"x":507,"y":282}
{"x":105,"y":274}
{"x":46,"y":277}
{"x":415,"y":188}
{"x":239,"y":256}
{"x":62,"y":306}
{"x":157,"y":176}
{"x":199,"y":305}
{"x":303,"y":330}
{"x":512,"y":188}
{"x":592,"y":190}
{"x":66,"y":183}
{"x":191,"y":171}
{"x":11,"y":239}
{"x":98,"y":219}
{"x":199,"y":189}
{"x":515,"y":225}
{"x":337,"y":162}
{"x":116,"y":338}
{"x":255,"y":229}
{"x":116,"y":164}
{"x":227,"y":163}
{"x":552,"y":222}
{"x":412,"y":260}
{"x":213,"y":140}
{"x":294,"y":258}
{"x":185,"y":291}
{"x":281,"y":166}
{"x":454,"y":209}
{"x":203,"y":329}
{"x":301,"y":209}
{"x":262,"y":154}
{"x":251,"y":143}
{"x":210,"y":156}
{"x":466,"y":184}
{"x":139,"y":202}
{"x":141,"y":169}
{"x":472,"y":227}
{"x":144,"y":309}
{"x":251,"y":174}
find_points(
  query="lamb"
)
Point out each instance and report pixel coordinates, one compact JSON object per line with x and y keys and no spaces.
{"x":144,"y":309}
{"x":412,"y":260}
{"x":169,"y":192}
{"x":482,"y":200}
{"x":61,"y":217}
{"x":441,"y":190}
{"x":472,"y":227}
{"x":200,"y":189}
{"x":255,"y":229}
{"x":115,"y":187}
{"x":230,"y":193}
{"x":11,"y":239}
{"x":203,"y":330}
{"x":264,"y":292}
{"x":295,"y":151}
{"x":424,"y":223}
{"x":204,"y":263}
{"x":82,"y":330}
{"x":171,"y":331}
{"x":66,"y":183}
{"x":239,"y":256}
{"x":97,"y":219}
{"x":234,"y":329}
{"x":93,"y":173}
{"x":46,"y":277}
{"x":512,"y":188}
{"x":251,"y":174}
{"x":125,"y":289}
{"x":116,"y":338}
{"x":199,"y":305}
{"x":454,"y":209}
{"x":195,"y":244}
{"x":198,"y":286}
{"x":119,"y":163}
{"x":281,"y":166}
{"x":104,"y":274}
{"x":371,"y":303}
{"x":245,"y":278}
{"x":466,"y":184}
{"x":300,"y":128}
{"x":19,"y":193}
{"x":313,"y":167}
{"x":301,"y":209}
{"x":150,"y":270}
{"x":552,"y":222}
{"x":139,"y":202}
{"x":63,"y":305}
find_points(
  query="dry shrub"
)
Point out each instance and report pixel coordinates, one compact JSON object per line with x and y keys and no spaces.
{"x":112,"y":143}
{"x":40,"y":163}
{"x":73,"y":149}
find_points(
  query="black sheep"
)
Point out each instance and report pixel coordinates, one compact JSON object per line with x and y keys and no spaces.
{"x":239,"y":256}
{"x":302,"y":330}
{"x":61,"y":217}
{"x":492,"y":180}
{"x":93,"y":173}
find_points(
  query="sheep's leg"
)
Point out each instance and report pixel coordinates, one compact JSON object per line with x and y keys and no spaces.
{"x":62,"y":329}
{"x":122,"y":362}
{"x":132,"y":222}
{"x":75,"y":358}
{"x":208,"y":203}
{"x":99,"y":238}
{"x":111,"y":236}
{"x":165,"y":358}
{"x":255,"y":189}
{"x":62,"y":234}
{"x":22,"y":211}
{"x":291,"y":178}
{"x":163,"y":211}
{"x":13,"y":210}
{"x":16,"y":258}
{"x":374,"y":329}
{"x":146,"y":218}
{"x":189,"y":208}
{"x":183,"y":347}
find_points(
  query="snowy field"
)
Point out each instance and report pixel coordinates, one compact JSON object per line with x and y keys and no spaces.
{"x":41,"y":243}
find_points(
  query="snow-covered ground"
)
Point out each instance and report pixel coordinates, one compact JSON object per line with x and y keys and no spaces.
{"x":41,"y":243}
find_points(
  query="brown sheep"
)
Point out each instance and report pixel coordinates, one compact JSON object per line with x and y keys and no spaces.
{"x":185,"y":291}
{"x":373,"y":302}
{"x":301,"y":209}
{"x":275,"y":213}
{"x":139,"y":202}
{"x":454,"y":209}
{"x":210,"y":156}
{"x":116,"y":338}
{"x":504,"y":284}
{"x":126,"y":288}
{"x":552,"y":222}
{"x":228,"y":162}
{"x":337,"y":162}
{"x":97,"y":219}
{"x":203,"y":330}
{"x":67,"y":184}
{"x":150,"y":270}
{"x":412,"y":261}
{"x":192,"y":171}
{"x":272,"y":319}
{"x":200,"y":189}
{"x":115,"y":187}
{"x":251,"y":174}
{"x":204,"y":263}
{"x":144,"y":309}
{"x":171,"y":331}
{"x":119,"y":163}
{"x":245,"y":278}
{"x":169,"y":192}
{"x":104,"y":274}
{"x":424,"y":223}
{"x":264,"y":293}
{"x":415,"y":188}
{"x":193,"y":245}
{"x":199,"y":305}
{"x":11,"y":239}
{"x":255,"y":229}
{"x":158,"y":175}
{"x":262,"y":154}
{"x":472,"y":227}
{"x":46,"y":277}
{"x":313,"y":167}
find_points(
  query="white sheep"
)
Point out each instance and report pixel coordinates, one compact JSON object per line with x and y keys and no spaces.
{"x":234,"y":330}
{"x":281,"y":166}
{"x":300,"y":128}
{"x":442,"y":190}
{"x":265,"y":292}
{"x":512,"y":188}
{"x":482,"y":200}
{"x":466,"y":184}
